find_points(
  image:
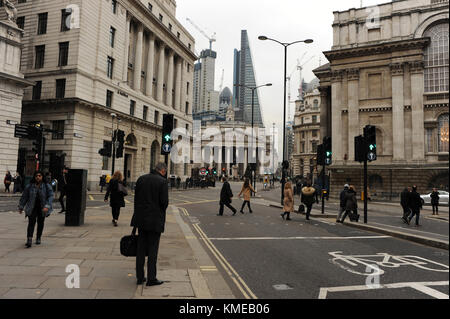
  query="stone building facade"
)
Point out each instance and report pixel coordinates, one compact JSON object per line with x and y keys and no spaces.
{"x":91,"y":59}
{"x":307,"y":135}
{"x":12,"y":84}
{"x":389,"y":68}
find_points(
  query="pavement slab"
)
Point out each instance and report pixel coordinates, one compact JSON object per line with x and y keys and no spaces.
{"x":20,"y":281}
{"x":70,"y":294}
{"x":23,"y":293}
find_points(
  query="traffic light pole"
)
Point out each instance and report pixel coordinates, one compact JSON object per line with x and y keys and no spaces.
{"x":365,"y":191}
{"x":323,"y":189}
{"x":114,"y":137}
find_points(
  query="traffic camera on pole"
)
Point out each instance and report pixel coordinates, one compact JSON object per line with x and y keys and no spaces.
{"x":167,"y":142}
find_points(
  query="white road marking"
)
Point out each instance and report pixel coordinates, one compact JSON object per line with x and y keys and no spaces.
{"x":417,"y":231}
{"x":291,"y":238}
{"x":420,"y":286}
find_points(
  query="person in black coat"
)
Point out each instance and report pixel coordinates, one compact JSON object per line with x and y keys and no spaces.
{"x":351,"y":203}
{"x":309,"y":196}
{"x":342,"y":203}
{"x":225,"y":197}
{"x":404,"y":202}
{"x":117,"y":200}
{"x":150,"y":204}
{"x":415,"y":205}
{"x":435,"y":201}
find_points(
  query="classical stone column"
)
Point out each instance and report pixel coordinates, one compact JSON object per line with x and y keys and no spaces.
{"x":138,"y":58}
{"x":178,"y":85}
{"x":150,"y":62}
{"x":169,"y":99}
{"x":398,"y":106}
{"x":126,"y":48}
{"x":353,"y":111}
{"x":183,"y":86}
{"x":417,"y":90}
{"x":159,"y":87}
{"x":336,"y":117}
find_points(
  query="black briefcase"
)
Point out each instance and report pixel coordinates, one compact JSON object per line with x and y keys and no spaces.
{"x":128,"y":244}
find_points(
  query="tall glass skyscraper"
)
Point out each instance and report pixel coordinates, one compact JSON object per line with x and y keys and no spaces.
{"x":244,"y":74}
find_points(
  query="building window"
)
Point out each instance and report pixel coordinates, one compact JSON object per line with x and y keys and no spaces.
{"x":58,"y":128}
{"x":42,"y":23}
{"x":178,"y":35}
{"x":315,"y":105}
{"x":161,"y":17}
{"x":150,"y":7}
{"x":314,"y":119}
{"x":145,"y":113}
{"x":314,"y":147}
{"x":40,"y":56}
{"x":436,"y":59}
{"x":114,"y":6}
{"x":109,"y":98}
{"x":112,"y":36}
{"x":443,"y":133}
{"x":60,"y":88}
{"x":132,"y":107}
{"x":303,"y":135}
{"x":156,"y":117}
{"x":302,"y":120}
{"x":187,"y":128}
{"x":302,"y":147}
{"x":63,"y":53}
{"x":189,"y":46}
{"x":429,"y":140}
{"x":65,"y":19}
{"x":170,"y":27}
{"x":186,"y":110}
{"x":37,"y":89}
{"x":21,"y":22}
{"x":187,"y":88}
{"x":110,"y":68}
{"x":314,"y":133}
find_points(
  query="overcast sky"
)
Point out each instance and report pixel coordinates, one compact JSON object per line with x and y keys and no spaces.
{"x":284,"y":20}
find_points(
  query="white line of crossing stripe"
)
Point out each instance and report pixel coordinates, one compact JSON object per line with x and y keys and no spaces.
{"x":313,"y":237}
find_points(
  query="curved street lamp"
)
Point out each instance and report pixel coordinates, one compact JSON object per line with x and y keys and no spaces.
{"x":286,"y":45}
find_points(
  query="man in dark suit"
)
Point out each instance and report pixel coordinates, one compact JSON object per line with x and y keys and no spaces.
{"x":225,"y":197}
{"x":150,"y":204}
{"x":415,"y":204}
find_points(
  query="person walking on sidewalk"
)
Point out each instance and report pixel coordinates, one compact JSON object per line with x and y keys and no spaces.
{"x":62,"y":184}
{"x":288,"y":201}
{"x":115,"y":190}
{"x":102,"y":183}
{"x":150,"y":205}
{"x":342,"y":203}
{"x":415,"y":205}
{"x":351,"y":204}
{"x":7,"y":181}
{"x":404,"y":202}
{"x":309,"y":196}
{"x":226,"y":196}
{"x":435,"y":201}
{"x":17,"y":183}
{"x":246,"y":191}
{"x":37,"y":199}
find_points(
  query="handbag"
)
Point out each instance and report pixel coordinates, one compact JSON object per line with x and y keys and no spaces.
{"x":122,"y":189}
{"x":128,"y":244}
{"x":301,"y":209}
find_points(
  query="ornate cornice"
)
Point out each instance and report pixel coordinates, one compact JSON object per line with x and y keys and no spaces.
{"x":416,"y":67}
{"x":376,"y":49}
{"x":397,"y":68}
{"x":353,"y":74}
{"x":336,"y":76}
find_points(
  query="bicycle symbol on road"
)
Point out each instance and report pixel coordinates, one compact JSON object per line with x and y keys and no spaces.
{"x":357,"y":264}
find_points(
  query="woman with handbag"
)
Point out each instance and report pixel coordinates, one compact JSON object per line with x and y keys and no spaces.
{"x":288,"y":201}
{"x":118,"y":191}
{"x":246,"y":191}
{"x":309,"y":196}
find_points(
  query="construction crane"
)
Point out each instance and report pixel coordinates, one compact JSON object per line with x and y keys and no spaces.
{"x":210,"y":38}
{"x":221,"y":81}
{"x":300,"y":69}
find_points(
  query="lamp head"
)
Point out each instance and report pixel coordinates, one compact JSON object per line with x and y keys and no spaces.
{"x":308,"y":41}
{"x":262,"y":37}
{"x":269,"y":84}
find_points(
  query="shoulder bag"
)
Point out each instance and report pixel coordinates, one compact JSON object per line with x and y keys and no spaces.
{"x":122,"y":189}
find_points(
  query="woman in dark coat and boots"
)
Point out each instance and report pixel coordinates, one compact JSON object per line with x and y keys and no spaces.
{"x":226,"y":196}
{"x":37,"y":199}
{"x":435,"y":201}
{"x":117,"y":197}
{"x":309,"y":196}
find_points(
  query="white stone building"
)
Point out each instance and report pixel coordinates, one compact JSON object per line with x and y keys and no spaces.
{"x":90,"y":59}
{"x":12,"y":84}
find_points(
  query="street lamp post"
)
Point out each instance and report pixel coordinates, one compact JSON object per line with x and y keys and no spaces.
{"x":253,"y":181}
{"x":285,"y":45}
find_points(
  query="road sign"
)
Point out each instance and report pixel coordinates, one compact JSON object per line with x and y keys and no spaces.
{"x":21,"y":131}
{"x":203,"y":171}
{"x":167,"y":148}
{"x":371,"y":156}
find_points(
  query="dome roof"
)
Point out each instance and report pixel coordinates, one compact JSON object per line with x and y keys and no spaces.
{"x":226,"y":93}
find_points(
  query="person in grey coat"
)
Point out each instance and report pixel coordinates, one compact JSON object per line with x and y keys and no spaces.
{"x":36,"y":200}
{"x":150,"y":203}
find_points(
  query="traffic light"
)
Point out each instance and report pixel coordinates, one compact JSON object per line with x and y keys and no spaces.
{"x":360,"y":149}
{"x":285,"y":165}
{"x":120,"y":143}
{"x":167,"y":142}
{"x":327,"y":150}
{"x":320,"y":155}
{"x":107,"y":149}
{"x":370,"y":134}
{"x":214,"y":171}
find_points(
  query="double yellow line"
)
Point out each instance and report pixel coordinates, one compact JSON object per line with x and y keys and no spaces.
{"x":238,"y":281}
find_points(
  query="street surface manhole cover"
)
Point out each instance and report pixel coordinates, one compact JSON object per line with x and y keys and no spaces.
{"x":282,"y":287}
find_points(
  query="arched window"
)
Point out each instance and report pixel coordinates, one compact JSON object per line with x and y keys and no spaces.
{"x":315,"y":105}
{"x":436,"y":59}
{"x":443,"y":133}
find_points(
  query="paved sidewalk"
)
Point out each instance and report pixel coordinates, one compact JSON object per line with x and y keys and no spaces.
{"x":410,"y":233}
{"x":40,"y":271}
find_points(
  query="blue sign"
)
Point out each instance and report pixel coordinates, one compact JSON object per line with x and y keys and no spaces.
{"x":167,"y":148}
{"x":371,"y":156}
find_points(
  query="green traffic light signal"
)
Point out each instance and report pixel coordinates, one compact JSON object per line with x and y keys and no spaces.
{"x":372,"y":146}
{"x":167,"y":138}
